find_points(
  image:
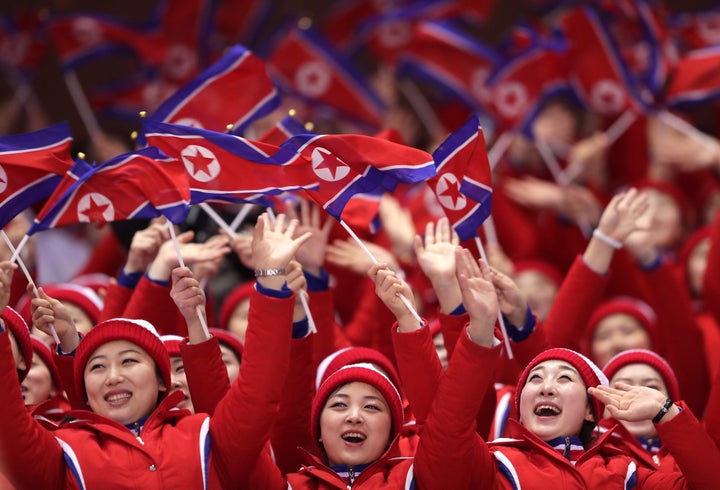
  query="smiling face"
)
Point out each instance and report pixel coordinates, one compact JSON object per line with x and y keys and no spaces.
{"x":554,"y":401}
{"x":121,"y":382}
{"x":640,"y":374}
{"x":355,"y":425}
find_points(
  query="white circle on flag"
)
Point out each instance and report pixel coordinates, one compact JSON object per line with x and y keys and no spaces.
{"x":180,"y":61}
{"x":478,"y":84}
{"x":327,"y":166}
{"x":200,"y":162}
{"x":95,"y":207}
{"x":708,"y":26}
{"x":448,"y":192}
{"x":511,"y":98}
{"x":607,"y":96}
{"x":395,"y":34}
{"x":87,"y":31}
{"x":313,"y":78}
{"x":189,"y":121}
{"x":3,"y":180}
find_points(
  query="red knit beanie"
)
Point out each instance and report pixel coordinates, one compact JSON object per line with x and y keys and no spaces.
{"x":634,"y":307}
{"x":42,"y":350}
{"x":363,"y":373}
{"x":355,"y":355}
{"x":229,"y":340}
{"x":84,"y":297}
{"x":644,"y":356}
{"x":591,"y":375}
{"x":237,"y":295}
{"x":172,"y":344}
{"x":21,"y":332}
{"x":139,"y":332}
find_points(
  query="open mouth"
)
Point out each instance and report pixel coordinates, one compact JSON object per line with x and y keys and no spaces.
{"x":353,"y":437}
{"x":118,"y":398}
{"x":546,"y":410}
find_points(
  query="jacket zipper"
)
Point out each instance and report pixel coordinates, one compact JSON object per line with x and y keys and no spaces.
{"x":136,"y":428}
{"x":567,"y":448}
{"x":351,"y":477}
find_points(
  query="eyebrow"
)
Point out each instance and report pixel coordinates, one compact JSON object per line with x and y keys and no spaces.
{"x":644,"y":380}
{"x":560,"y":368}
{"x":103,"y":356}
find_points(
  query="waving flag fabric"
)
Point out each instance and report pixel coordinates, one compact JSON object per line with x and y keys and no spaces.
{"x":303,"y":64}
{"x":463,"y":182}
{"x":143,"y":184}
{"x":598,"y":73}
{"x":235,"y":90}
{"x":23,"y":41}
{"x":443,"y":55}
{"x":697,"y":30}
{"x":31,"y":166}
{"x":695,"y":79}
{"x":81,"y":37}
{"x":226,"y":167}
{"x":282,"y":130}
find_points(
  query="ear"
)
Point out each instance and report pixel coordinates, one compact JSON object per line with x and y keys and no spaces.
{"x":589,"y":417}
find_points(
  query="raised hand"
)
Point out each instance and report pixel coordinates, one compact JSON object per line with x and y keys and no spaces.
{"x":398,"y":225}
{"x":7,"y":269}
{"x":145,"y":246}
{"x":192,"y":253}
{"x":436,"y":257}
{"x":298,"y":284}
{"x":312,"y":253}
{"x":389,"y":287}
{"x":188,"y":296}
{"x":511,"y":299}
{"x":350,"y":255}
{"x":274,"y":245}
{"x":624,"y":214}
{"x":632,"y":403}
{"x":49,"y":312}
{"x":479,"y":297}
{"x":206,"y":269}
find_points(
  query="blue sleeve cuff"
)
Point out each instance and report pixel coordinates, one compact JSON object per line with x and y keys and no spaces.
{"x":72,"y":354}
{"x":654,"y":265}
{"x":460,"y":310}
{"x":158,"y":281}
{"x":517,"y":334}
{"x":317,"y":283}
{"x":285,"y":292}
{"x":300,"y":329}
{"x":129,"y":281}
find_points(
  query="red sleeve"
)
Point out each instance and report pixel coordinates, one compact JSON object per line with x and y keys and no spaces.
{"x":419,"y":368}
{"x":152,"y":302}
{"x":712,"y":411}
{"x":451,"y":326}
{"x":681,"y":340}
{"x":580,"y":292}
{"x":694,"y":451}
{"x":242,"y":422}
{"x":292,"y":427}
{"x":450,"y":453}
{"x":711,"y":279}
{"x":206,"y":374}
{"x":116,"y":299}
{"x":31,"y":456}
{"x":65,"y":365}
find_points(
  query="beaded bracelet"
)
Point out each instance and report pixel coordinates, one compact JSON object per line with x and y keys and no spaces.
{"x":269,"y":272}
{"x":663,"y":411}
{"x":606,"y":239}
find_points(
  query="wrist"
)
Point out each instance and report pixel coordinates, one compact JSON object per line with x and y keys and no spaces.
{"x":606,"y":239}
{"x":662,"y":415}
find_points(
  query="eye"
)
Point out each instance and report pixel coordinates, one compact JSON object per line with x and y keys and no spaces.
{"x":654,"y":387}
{"x":338,"y":405}
{"x":372,"y":406}
{"x":180,"y":369}
{"x":566,"y":377}
{"x":535,"y":377}
{"x":94,"y":367}
{"x":129,"y":360}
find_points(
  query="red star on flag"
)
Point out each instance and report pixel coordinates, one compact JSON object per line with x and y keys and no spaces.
{"x":94,"y":212}
{"x":452,"y":190}
{"x":331,"y":163}
{"x":200,"y":163}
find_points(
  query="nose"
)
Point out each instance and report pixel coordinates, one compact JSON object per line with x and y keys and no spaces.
{"x":114,"y":376}
{"x":547,"y":388}
{"x":353,"y":416}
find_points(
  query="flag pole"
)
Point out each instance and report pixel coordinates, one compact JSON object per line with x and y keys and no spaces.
{"x":501,"y":320}
{"x":240,"y":217}
{"x":81,"y":103}
{"x":687,"y":129}
{"x":203,"y":322}
{"x":499,"y":148}
{"x":405,"y":301}
{"x":217,"y":219}
{"x":29,"y":278}
{"x":16,"y":251}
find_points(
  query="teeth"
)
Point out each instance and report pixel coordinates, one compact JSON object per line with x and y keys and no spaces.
{"x":117,"y":397}
{"x":353,"y":437}
{"x":546,"y":410}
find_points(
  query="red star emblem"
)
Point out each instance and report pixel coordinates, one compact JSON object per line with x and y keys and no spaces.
{"x":95,"y":211}
{"x":452,"y":191}
{"x":200,"y":163}
{"x":330,"y":162}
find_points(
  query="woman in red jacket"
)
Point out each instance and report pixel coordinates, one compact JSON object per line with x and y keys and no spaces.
{"x":132,"y":437}
{"x":549,"y":442}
